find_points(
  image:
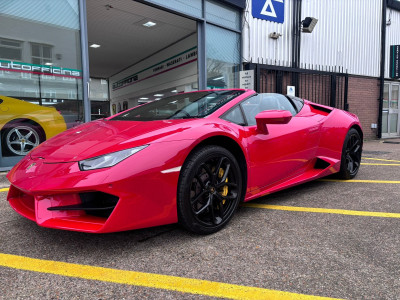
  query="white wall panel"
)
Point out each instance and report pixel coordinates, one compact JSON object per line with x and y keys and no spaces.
{"x":258,"y":47}
{"x":392,"y":35}
{"x":347,"y":36}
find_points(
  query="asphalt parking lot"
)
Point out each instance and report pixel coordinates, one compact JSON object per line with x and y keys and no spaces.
{"x":328,"y":238}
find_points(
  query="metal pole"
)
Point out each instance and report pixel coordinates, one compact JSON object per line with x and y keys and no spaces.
{"x":296,"y":33}
{"x":382,"y":75}
{"x":85,"y":60}
{"x":201,"y":55}
{"x":333,"y":91}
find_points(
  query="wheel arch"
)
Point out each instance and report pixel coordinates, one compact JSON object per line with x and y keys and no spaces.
{"x":232,"y":146}
{"x":24,"y":121}
{"x":359,"y":130}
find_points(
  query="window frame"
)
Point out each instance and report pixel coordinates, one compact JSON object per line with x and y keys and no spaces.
{"x":41,"y":57}
{"x":223,"y":116}
{"x":21,"y":48}
{"x":297,"y":109}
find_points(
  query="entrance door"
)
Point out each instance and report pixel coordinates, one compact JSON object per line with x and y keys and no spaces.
{"x":390,"y":112}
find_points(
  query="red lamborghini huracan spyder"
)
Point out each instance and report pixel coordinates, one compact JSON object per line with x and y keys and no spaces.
{"x":189,"y":158}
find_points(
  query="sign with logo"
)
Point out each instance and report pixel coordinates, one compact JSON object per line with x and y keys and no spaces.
{"x":394,"y":68}
{"x":270,"y":10}
{"x":13,"y":66}
{"x":169,"y":64}
{"x":247,"y":79}
{"x":291,"y":90}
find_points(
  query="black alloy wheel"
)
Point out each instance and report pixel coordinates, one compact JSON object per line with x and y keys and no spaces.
{"x":209,"y":191}
{"x":351,"y":155}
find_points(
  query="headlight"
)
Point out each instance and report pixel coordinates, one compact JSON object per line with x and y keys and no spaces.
{"x":108,"y":160}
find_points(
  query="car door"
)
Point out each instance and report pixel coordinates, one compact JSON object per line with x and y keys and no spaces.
{"x":286,"y":150}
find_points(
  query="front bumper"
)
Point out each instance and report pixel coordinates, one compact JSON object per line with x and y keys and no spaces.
{"x":135,"y":194}
{"x":86,"y":212}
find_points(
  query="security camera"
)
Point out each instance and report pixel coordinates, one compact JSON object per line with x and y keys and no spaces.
{"x":275,"y":35}
{"x":308,"y":24}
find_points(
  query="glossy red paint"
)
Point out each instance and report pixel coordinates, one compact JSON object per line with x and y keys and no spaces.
{"x":272,"y":117}
{"x":145,"y":183}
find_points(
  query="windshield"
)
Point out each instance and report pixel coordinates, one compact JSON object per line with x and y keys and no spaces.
{"x":180,"y":106}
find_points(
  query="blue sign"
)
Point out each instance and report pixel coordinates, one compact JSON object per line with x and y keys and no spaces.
{"x":270,"y":10}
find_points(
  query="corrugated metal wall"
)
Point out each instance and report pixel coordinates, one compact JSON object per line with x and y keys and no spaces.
{"x":258,"y":47}
{"x":392,"y":35}
{"x":347,"y":36}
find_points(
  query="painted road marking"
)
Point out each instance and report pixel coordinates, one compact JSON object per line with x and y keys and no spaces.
{"x":165,"y":282}
{"x":325,"y":210}
{"x":361,"y":181}
{"x":371,"y":158}
{"x":373,"y":164}
{"x":4,"y":190}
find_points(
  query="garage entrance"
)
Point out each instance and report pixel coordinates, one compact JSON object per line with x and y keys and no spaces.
{"x":137,"y":53}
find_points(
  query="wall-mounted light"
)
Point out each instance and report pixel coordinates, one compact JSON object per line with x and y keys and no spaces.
{"x":308,"y":24}
{"x":94,"y":46}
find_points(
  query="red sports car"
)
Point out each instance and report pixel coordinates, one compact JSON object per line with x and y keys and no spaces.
{"x":189,"y":158}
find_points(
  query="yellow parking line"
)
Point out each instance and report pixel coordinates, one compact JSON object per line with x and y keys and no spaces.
{"x":361,"y":181}
{"x":173,"y":283}
{"x":325,"y":210}
{"x":371,"y":158}
{"x":373,"y":164}
{"x":4,"y":190}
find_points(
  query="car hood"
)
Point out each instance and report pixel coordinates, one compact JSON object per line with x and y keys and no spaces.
{"x":103,"y":136}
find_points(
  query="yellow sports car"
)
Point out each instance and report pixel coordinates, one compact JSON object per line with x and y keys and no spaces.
{"x":25,"y":125}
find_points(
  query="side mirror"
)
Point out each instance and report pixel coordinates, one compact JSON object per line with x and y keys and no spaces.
{"x":272,"y":117}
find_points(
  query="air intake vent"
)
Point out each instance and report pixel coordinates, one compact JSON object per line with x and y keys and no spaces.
{"x":325,"y":109}
{"x":321,"y":164}
{"x":93,"y":203}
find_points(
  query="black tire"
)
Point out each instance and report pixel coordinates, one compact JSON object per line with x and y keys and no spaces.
{"x":209,"y":190}
{"x":20,"y":138}
{"x":351,"y":155}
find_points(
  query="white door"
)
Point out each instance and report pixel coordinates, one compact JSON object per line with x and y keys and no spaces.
{"x":390,"y":111}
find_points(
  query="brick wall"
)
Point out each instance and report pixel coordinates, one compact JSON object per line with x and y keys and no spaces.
{"x":362,"y":97}
{"x":363,"y":101}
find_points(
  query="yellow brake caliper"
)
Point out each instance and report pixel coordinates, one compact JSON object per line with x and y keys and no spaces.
{"x":224,"y":191}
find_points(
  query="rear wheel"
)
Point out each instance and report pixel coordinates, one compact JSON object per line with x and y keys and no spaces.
{"x":351,"y":155}
{"x":209,"y":191}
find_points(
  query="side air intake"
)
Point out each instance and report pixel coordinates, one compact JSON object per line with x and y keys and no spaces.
{"x":321,"y":164}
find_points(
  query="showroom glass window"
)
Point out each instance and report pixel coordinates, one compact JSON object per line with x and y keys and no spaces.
{"x":40,"y":57}
{"x":99,"y":98}
{"x":222,"y":45}
{"x":222,"y":38}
